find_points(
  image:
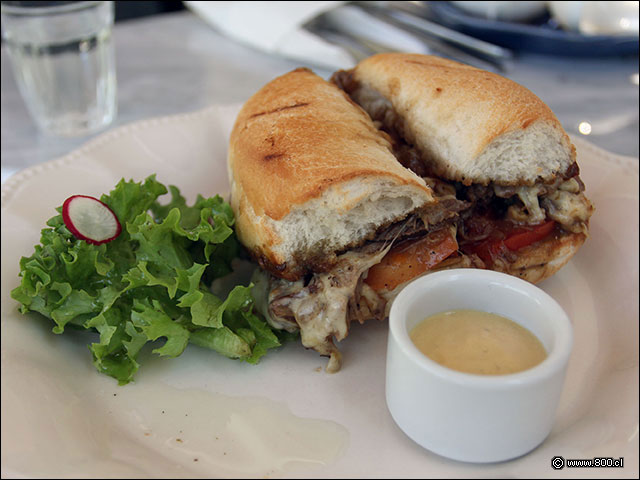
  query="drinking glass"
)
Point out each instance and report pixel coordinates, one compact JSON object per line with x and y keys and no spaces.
{"x":64,"y":63}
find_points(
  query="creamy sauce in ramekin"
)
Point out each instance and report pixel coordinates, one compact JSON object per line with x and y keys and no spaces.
{"x":478,"y":342}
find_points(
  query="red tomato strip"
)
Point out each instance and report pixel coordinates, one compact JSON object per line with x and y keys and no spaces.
{"x":522,"y":238}
{"x":409,"y":259}
{"x":488,"y":250}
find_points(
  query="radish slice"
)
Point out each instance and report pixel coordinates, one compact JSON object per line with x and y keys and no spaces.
{"x":90,"y":220}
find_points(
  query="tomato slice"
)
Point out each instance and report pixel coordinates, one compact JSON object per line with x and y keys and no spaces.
{"x":515,"y":239}
{"x":409,"y":259}
{"x":521,"y":238}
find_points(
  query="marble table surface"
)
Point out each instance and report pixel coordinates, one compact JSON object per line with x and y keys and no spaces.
{"x":175,"y":63}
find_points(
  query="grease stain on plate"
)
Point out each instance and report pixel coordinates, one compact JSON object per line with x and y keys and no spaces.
{"x":231,"y":436}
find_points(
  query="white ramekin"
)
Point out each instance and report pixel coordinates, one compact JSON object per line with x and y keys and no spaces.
{"x":467,"y":417}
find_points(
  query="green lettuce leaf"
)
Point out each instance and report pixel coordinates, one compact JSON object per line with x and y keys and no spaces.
{"x":149,"y":285}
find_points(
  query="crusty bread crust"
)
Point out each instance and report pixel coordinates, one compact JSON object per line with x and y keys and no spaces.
{"x":471,"y":125}
{"x":311,"y":175}
{"x":542,"y":259}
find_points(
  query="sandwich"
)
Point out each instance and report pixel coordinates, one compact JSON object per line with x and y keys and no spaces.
{"x":346,"y":190}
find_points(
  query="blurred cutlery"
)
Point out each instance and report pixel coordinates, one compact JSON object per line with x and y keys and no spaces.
{"x":372,"y":33}
{"x":409,"y":15}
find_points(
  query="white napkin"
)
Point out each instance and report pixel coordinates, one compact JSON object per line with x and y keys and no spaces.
{"x":276,"y":27}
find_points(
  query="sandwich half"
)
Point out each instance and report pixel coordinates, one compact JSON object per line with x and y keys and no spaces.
{"x":494,"y":143}
{"x":344,"y":191}
{"x":314,"y":187}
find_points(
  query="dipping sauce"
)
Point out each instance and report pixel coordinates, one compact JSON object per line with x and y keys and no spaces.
{"x":477,"y":342}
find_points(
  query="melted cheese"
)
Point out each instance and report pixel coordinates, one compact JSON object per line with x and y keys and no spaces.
{"x":321,"y":308}
{"x":570,"y":210}
{"x":529,"y":196}
{"x":566,"y":204}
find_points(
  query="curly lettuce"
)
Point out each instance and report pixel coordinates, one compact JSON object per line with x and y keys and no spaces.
{"x":151,"y":283}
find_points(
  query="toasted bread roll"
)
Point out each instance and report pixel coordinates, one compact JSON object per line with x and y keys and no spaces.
{"x":311,"y":175}
{"x":471,"y":125}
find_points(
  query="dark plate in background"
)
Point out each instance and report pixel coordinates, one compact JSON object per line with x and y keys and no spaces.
{"x":541,"y":36}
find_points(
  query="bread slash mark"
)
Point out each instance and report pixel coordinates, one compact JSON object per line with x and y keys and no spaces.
{"x":272,"y":156}
{"x":280,"y":109}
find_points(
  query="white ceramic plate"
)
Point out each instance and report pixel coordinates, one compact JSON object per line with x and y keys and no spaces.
{"x":202,"y":415}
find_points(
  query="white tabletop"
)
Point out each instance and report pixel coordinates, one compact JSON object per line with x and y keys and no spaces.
{"x":175,"y":63}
